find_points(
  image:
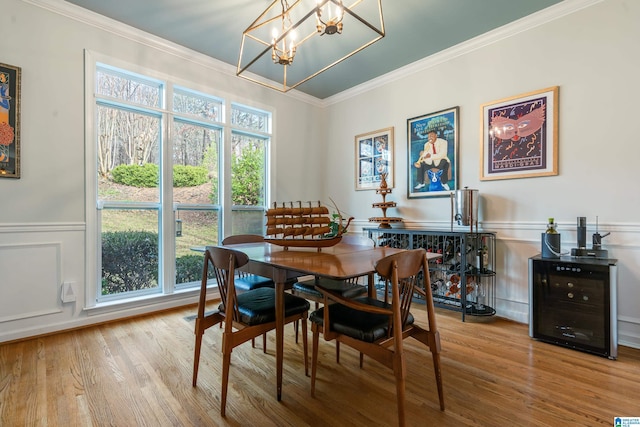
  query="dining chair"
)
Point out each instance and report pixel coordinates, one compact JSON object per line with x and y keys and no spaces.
{"x":247,"y":281}
{"x":377,"y":328}
{"x":347,"y":288}
{"x":245,"y":315}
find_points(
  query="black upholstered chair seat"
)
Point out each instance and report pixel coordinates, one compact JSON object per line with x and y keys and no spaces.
{"x":250,"y":282}
{"x":357,"y":324}
{"x":258,"y":306}
{"x":307,"y":288}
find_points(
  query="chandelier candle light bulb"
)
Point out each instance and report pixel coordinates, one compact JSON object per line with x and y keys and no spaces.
{"x":283,"y":56}
{"x":333,"y":24}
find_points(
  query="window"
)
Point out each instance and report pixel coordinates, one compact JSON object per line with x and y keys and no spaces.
{"x":249,"y":146}
{"x":162,"y":188}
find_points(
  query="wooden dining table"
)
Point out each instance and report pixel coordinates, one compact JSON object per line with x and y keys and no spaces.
{"x":340,"y":262}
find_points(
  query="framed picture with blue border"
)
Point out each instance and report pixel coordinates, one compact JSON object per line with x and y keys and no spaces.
{"x":374,"y":157}
{"x":433,"y":154}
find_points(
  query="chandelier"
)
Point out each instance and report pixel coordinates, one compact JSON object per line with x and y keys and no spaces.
{"x":284,"y":32}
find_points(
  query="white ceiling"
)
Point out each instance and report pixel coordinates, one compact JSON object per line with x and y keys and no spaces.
{"x":415,"y":29}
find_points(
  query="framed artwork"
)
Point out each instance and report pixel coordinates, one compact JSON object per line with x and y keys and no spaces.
{"x":9,"y":121}
{"x":374,"y":157}
{"x":520,"y":136}
{"x":433,"y":154}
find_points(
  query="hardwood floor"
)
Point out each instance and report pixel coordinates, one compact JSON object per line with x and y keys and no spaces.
{"x":138,"y":373}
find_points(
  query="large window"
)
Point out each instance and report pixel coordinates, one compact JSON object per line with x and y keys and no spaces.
{"x":173,"y":174}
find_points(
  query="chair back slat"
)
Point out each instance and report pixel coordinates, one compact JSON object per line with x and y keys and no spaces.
{"x":402,"y":271}
{"x":405,"y":289}
{"x":236,"y":239}
{"x":224,"y":262}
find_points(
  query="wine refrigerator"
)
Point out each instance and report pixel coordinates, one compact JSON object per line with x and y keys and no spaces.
{"x":572,"y":303}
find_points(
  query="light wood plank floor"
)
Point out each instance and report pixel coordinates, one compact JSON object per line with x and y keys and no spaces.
{"x":137,"y":372}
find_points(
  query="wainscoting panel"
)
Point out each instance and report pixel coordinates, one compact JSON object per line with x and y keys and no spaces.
{"x":30,"y":280}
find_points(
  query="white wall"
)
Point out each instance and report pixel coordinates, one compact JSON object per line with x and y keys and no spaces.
{"x":591,"y":54}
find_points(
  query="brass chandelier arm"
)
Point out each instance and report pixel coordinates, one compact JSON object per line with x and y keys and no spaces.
{"x":259,"y":40}
{"x":240,"y":71}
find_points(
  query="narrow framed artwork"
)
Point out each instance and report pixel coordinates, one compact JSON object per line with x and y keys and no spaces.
{"x":9,"y":121}
{"x":374,"y":157}
{"x":433,"y":154}
{"x":519,"y":136}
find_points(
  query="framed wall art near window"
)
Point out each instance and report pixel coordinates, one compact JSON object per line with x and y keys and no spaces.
{"x":374,"y":157}
{"x":520,"y":136}
{"x":9,"y":121}
{"x":433,"y":154}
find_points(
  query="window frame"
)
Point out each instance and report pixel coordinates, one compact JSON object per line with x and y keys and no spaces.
{"x":167,"y":211}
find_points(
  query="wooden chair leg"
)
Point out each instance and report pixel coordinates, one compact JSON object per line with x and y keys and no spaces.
{"x":399,"y":371}
{"x":196,"y":356}
{"x":295,"y":328}
{"x":314,"y":358}
{"x":305,"y":347}
{"x":226,"y":361}
{"x":264,"y":343}
{"x":337,"y":351}
{"x":361,"y":360}
{"x":436,"y":368}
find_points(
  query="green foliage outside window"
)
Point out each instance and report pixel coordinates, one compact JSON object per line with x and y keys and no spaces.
{"x":136,"y":176}
{"x":147,"y":175}
{"x":129,"y":261}
{"x":189,"y":176}
{"x":247,"y":187}
{"x":189,"y":269}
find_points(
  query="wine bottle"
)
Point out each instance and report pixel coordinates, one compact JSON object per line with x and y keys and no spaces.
{"x":485,"y":254}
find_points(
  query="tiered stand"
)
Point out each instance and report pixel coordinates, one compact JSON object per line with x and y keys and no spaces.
{"x":384,"y":220}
